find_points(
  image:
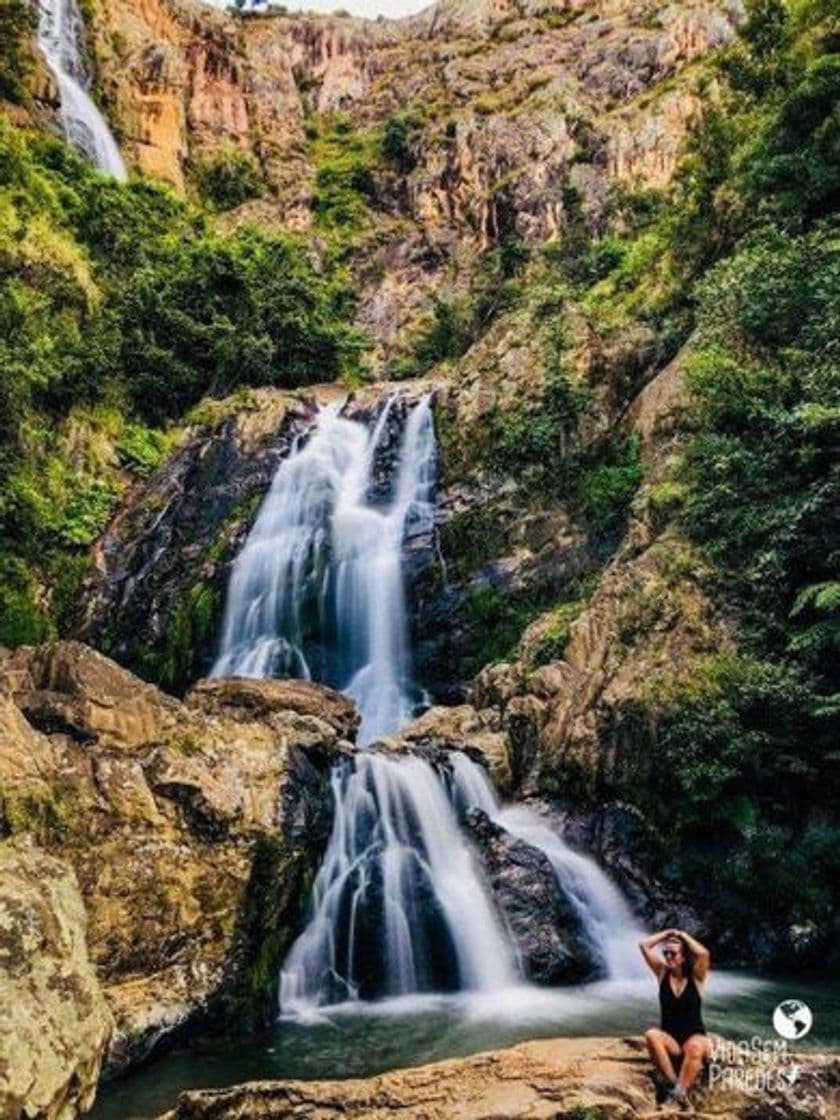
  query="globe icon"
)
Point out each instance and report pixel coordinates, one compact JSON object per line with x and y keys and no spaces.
{"x":792,"y":1019}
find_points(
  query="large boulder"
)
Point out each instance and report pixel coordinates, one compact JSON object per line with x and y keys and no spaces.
{"x":194,"y":829}
{"x":547,"y":1080}
{"x":536,"y":911}
{"x":54,"y":1021}
{"x":241,"y":698}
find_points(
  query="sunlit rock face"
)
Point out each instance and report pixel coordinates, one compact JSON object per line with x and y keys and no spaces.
{"x":603,"y":1077}
{"x":55,"y":1024}
{"x":191,"y":829}
{"x":511,"y":108}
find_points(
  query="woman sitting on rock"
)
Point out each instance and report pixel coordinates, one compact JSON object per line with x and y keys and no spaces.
{"x":681,"y":970}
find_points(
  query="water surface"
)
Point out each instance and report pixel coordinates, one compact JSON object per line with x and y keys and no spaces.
{"x":360,"y":1040}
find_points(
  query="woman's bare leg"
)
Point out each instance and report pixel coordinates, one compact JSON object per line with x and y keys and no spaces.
{"x":662,"y":1047}
{"x":694,"y":1050}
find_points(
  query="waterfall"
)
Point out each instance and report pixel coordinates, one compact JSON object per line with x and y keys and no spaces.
{"x":398,"y":904}
{"x":317,"y":590}
{"x":60,"y":34}
{"x":605,"y":917}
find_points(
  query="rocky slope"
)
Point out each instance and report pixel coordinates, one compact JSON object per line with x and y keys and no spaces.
{"x":563,"y":1079}
{"x":193,"y":828}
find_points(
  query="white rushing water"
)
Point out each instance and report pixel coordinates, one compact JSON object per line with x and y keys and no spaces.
{"x":398,"y":904}
{"x":605,"y":917}
{"x":60,"y":37}
{"x":318,"y":590}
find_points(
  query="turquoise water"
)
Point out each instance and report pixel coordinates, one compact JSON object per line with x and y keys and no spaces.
{"x":359,"y":1041}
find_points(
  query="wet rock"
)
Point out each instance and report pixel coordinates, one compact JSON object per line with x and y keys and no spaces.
{"x":537,"y":913}
{"x":54,"y":1022}
{"x":440,"y":730}
{"x":154,"y":601}
{"x":554,"y":1079}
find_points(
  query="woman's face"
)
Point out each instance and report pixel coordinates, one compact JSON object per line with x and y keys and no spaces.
{"x":672,"y":954}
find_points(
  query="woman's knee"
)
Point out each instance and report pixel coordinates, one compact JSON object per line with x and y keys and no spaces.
{"x":652,"y":1036}
{"x":695,"y":1048}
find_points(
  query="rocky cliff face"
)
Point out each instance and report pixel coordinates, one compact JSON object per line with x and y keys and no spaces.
{"x":193,"y":828}
{"x":510,"y":119}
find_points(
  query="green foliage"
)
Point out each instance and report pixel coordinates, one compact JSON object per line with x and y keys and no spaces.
{"x":228,"y":178}
{"x":533,"y":440}
{"x":399,"y":138}
{"x":224,"y":312}
{"x":345,"y":160}
{"x":119,"y":310}
{"x":87,"y":513}
{"x":494,"y":621}
{"x":189,"y":631}
{"x":604,"y":489}
{"x":141,"y":449}
{"x":742,"y":755}
{"x":763,"y":486}
{"x":555,"y":637}
{"x":23,"y":620}
{"x":447,"y":335}
{"x":17,"y":25}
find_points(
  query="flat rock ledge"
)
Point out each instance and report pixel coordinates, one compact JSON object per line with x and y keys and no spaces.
{"x":573,"y":1079}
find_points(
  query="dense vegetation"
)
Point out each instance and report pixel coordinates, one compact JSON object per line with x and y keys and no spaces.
{"x":120,"y":308}
{"x":744,"y":259}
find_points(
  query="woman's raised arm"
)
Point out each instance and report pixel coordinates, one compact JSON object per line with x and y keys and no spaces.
{"x":647,"y":946}
{"x":702,"y":956}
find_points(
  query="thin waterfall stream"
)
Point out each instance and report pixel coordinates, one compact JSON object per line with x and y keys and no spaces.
{"x":399,"y":905}
{"x":60,"y":39}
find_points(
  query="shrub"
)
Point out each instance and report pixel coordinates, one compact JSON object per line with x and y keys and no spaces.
{"x":605,"y":487}
{"x":18,"y":20}
{"x":228,"y":178}
{"x":398,"y":142}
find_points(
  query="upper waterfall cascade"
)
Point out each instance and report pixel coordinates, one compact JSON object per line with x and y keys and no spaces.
{"x":318,"y":590}
{"x":60,"y":37}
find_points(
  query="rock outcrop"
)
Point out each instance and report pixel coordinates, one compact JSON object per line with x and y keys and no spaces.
{"x":514,"y":120}
{"x":54,"y":1022}
{"x":559,"y":1079}
{"x":538,"y":915}
{"x":193,"y":828}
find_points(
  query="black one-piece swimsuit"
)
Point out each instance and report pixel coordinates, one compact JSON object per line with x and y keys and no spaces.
{"x":681,"y":1015}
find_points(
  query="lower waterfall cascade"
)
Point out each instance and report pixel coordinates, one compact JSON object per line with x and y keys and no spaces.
{"x":399,"y":904}
{"x":604,"y":916}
